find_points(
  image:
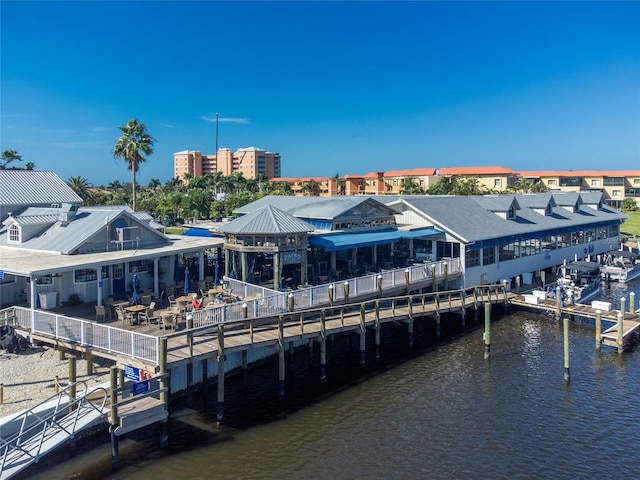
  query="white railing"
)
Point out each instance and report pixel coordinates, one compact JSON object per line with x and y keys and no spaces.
{"x":87,"y":333}
{"x":145,"y":347}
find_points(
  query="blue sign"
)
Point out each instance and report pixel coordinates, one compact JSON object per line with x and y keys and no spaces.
{"x":139,"y":377}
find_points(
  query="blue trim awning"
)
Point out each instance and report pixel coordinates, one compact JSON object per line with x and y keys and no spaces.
{"x":345,"y":241}
{"x":420,"y":232}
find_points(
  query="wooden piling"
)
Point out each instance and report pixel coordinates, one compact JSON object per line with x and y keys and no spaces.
{"x":221,"y":355}
{"x":377,"y":329}
{"x":1,"y":394}
{"x":379,"y":285}
{"x":281,"y":361}
{"x":620,"y":332}
{"x":632,"y":303}
{"x":56,"y":384}
{"x":290,"y":302}
{"x":363,"y":337}
{"x":558,"y":302}
{"x":346,"y":292}
{"x":162,"y":359}
{"x":598,"y":329}
{"x":62,"y":353}
{"x":330,"y":289}
{"x":410,"y":323}
{"x":565,"y":324}
{"x":464,"y":310}
{"x":487,"y":330}
{"x":518,"y":285}
{"x":323,"y":348}
{"x":89,"y":359}
{"x":407,"y":281}
{"x":72,"y":381}
{"x":113,"y":417}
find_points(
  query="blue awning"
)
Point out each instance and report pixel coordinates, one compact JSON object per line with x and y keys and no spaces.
{"x":418,"y":233}
{"x":345,"y":241}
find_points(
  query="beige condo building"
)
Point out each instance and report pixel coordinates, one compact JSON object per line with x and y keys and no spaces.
{"x":251,"y":162}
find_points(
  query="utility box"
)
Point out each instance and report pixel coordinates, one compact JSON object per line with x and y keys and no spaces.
{"x":48,"y":300}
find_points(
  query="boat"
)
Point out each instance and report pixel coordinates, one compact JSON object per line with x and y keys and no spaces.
{"x":620,"y":266}
{"x":578,"y":280}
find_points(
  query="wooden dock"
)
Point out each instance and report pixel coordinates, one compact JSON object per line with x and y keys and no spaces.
{"x":610,"y":336}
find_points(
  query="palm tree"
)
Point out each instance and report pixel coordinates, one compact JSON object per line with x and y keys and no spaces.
{"x":134,"y":143}
{"x":82,"y":187}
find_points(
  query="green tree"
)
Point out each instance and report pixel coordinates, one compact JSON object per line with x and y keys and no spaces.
{"x":442,"y":187}
{"x":9,"y":156}
{"x":82,"y":187}
{"x":629,"y":205}
{"x":410,"y":186}
{"x":468,"y":186}
{"x":132,"y":147}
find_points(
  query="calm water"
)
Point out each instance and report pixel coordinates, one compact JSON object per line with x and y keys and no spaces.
{"x":441,"y":412}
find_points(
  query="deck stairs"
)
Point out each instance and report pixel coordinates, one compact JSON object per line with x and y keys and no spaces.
{"x":44,"y":427}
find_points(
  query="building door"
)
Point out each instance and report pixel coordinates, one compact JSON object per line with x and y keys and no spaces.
{"x":118,"y":278}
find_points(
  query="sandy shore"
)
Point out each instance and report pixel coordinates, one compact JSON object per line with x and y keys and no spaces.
{"x":29,"y":377}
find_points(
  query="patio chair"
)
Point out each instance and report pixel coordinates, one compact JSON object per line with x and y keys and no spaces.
{"x":148,"y":316}
{"x":172,"y":302}
{"x":101,"y":313}
{"x":152,"y":305}
{"x":161,"y":300}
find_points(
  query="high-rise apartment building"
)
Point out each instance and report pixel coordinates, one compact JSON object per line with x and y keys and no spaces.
{"x":250,"y":161}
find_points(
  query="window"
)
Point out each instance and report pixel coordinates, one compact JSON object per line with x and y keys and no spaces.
{"x":488,"y":255}
{"x":7,"y":278}
{"x":616,"y":193}
{"x":551,"y":182}
{"x":613,"y":181}
{"x":595,"y":182}
{"x":14,"y":233}
{"x":497,"y":182}
{"x":85,"y":275}
{"x":512,"y":213}
{"x":140,"y":266}
{"x":636,"y":181}
{"x":472,"y":258}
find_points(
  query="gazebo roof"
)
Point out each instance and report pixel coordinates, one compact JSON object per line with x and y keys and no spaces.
{"x":267,"y":220}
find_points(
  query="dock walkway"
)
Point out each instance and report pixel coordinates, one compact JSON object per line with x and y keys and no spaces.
{"x":610,"y":336}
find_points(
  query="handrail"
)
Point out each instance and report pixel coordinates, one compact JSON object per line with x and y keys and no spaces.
{"x":146,"y":347}
{"x":52,"y":419}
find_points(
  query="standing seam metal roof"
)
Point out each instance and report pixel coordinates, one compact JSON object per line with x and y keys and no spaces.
{"x":34,"y":187}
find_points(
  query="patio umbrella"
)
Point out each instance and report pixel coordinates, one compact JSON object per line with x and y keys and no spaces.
{"x":216,"y":278}
{"x":135,"y":285}
{"x":187,"y":281}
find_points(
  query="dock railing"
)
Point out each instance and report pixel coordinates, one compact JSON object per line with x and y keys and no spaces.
{"x":145,"y":347}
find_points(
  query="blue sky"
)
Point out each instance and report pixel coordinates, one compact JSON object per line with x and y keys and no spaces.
{"x":334,"y":87}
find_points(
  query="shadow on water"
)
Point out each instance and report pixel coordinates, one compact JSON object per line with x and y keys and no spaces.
{"x":252,"y":399}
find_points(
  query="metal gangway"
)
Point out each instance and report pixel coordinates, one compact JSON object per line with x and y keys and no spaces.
{"x":46,"y":426}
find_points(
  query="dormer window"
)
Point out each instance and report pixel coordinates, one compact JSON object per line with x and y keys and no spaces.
{"x":511,"y":213}
{"x":548,"y":210}
{"x":14,"y":233}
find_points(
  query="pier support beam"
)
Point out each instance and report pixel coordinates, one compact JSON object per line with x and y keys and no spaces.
{"x":72,"y":381}
{"x":377,"y":330}
{"x":113,"y":418}
{"x":363,"y":337}
{"x":410,"y":323}
{"x":89,"y":359}
{"x":565,"y":325}
{"x":487,"y":330}
{"x":632,"y":303}
{"x":281,"y":361}
{"x":438,"y":325}
{"x":620,"y":333}
{"x":323,"y":349}
{"x":598,"y":329}
{"x":221,"y":355}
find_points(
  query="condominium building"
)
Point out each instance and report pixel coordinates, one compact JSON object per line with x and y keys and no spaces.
{"x":615,"y":185}
{"x":489,"y":177}
{"x":251,"y":162}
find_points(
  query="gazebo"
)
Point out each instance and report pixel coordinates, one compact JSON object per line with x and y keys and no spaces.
{"x":266,"y":239}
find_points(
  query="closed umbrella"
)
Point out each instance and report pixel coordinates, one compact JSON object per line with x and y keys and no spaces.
{"x":187,"y":281}
{"x":216,"y":279}
{"x":135,"y":286}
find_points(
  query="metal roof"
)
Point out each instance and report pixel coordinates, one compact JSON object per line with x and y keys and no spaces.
{"x":267,"y":220}
{"x":34,"y":187}
{"x":339,"y":206}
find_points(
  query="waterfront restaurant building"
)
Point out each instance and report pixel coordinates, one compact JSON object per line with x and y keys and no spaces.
{"x":495,"y":237}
